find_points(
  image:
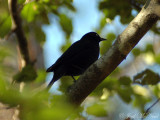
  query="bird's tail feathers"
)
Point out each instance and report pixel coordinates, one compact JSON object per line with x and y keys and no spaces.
{"x":50,"y":83}
{"x":51,"y":69}
{"x":54,"y":79}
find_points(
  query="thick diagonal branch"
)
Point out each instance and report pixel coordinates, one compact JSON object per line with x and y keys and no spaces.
{"x":17,"y":27}
{"x":124,"y":43}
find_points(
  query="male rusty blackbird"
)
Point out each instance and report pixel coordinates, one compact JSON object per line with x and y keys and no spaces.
{"x":77,"y":58}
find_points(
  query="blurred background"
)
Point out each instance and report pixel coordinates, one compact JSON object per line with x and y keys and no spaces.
{"x":50,"y":27}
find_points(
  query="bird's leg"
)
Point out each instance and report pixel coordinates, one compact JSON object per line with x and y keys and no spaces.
{"x":74,"y":80}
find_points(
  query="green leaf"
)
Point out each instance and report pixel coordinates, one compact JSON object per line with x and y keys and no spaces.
{"x":4,"y":52}
{"x":97,"y":110}
{"x":156,"y":90}
{"x":21,"y":1}
{"x":107,"y":44}
{"x":109,"y":83}
{"x":136,"y":52}
{"x":66,"y":82}
{"x":66,"y":24}
{"x":157,"y":58}
{"x":149,"y":48}
{"x":125,"y":80}
{"x":2,"y":86}
{"x":27,"y":74}
{"x":11,"y":97}
{"x":112,"y":9}
{"x":30,"y":11}
{"x":5,"y":23}
{"x":140,"y":102}
{"x":147,"y":77}
{"x":41,"y":75}
{"x":69,"y":5}
{"x":125,"y":93}
{"x":155,"y":29}
{"x":39,"y":34}
{"x":66,"y":45}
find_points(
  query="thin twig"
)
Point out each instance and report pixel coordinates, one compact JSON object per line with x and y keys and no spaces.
{"x":147,"y":111}
{"x":17,"y":26}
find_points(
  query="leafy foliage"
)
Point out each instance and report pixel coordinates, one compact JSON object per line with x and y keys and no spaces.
{"x":32,"y":9}
{"x":97,"y":110}
{"x":136,"y":52}
{"x":5,"y":24}
{"x":35,"y":103}
{"x":106,"y":44}
{"x":147,"y":77}
{"x":66,"y":24}
{"x":27,"y":74}
{"x":111,"y":9}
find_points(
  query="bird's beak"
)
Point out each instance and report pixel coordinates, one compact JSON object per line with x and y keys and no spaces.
{"x":102,"y":39}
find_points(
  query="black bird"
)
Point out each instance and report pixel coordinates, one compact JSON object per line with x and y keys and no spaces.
{"x":77,"y":58}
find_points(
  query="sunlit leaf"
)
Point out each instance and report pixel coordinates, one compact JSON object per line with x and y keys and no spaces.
{"x":21,"y":1}
{"x":109,"y":83}
{"x":5,"y":23}
{"x":2,"y":86}
{"x":156,"y":90}
{"x":157,"y":58}
{"x":97,"y":110}
{"x":30,"y":11}
{"x":140,"y":102}
{"x":41,"y":75}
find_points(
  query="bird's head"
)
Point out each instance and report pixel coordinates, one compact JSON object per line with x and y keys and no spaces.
{"x":93,"y":36}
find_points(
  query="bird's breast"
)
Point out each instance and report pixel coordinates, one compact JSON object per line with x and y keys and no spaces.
{"x":82,"y":60}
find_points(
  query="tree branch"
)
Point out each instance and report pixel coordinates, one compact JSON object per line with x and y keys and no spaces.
{"x":124,"y":43}
{"x":17,"y":27}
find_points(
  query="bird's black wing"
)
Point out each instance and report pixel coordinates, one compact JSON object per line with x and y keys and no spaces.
{"x":73,"y":50}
